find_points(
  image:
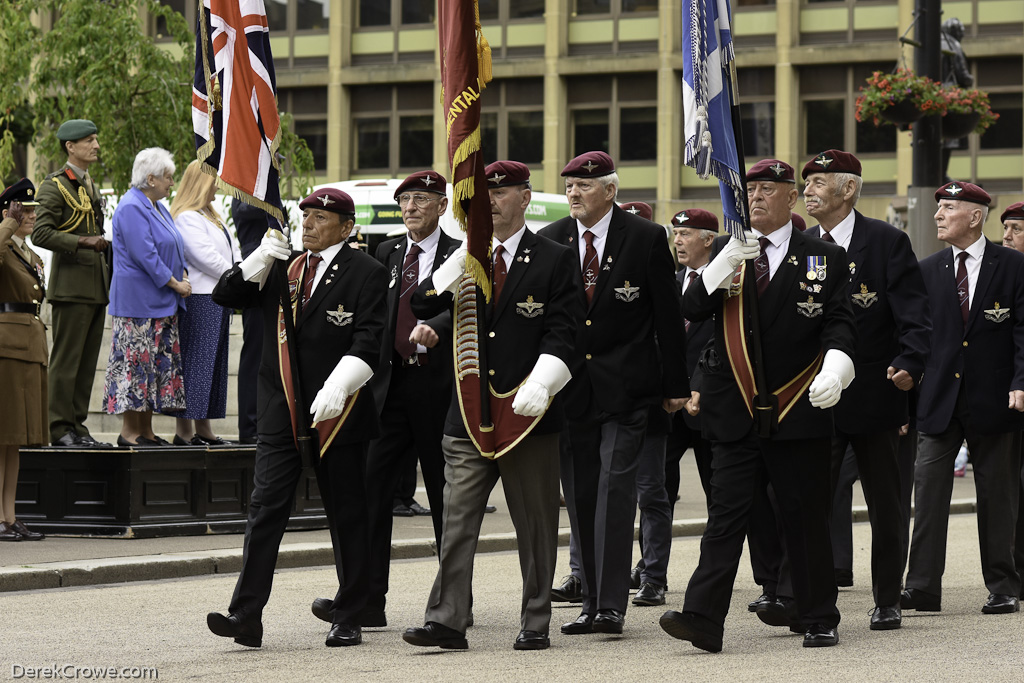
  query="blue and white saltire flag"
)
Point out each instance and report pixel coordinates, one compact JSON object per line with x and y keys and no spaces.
{"x":708,"y":94}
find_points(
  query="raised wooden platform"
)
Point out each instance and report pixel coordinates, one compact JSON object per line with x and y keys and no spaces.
{"x":149,"y":492}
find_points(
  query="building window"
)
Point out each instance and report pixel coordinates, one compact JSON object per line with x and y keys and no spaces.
{"x":372,"y":148}
{"x":616,"y":114}
{"x":312,"y":15}
{"x":1001,"y":79}
{"x":374,"y":12}
{"x":512,"y":120}
{"x":829,"y":95}
{"x":277,"y":15}
{"x":417,"y":11}
{"x":615,"y":7}
{"x":308,"y":107}
{"x":187,"y":10}
{"x":393,"y":128}
{"x":757,"y":111}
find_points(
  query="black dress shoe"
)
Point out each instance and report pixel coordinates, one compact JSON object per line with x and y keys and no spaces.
{"x":433,"y":634}
{"x":886,"y":618}
{"x":531,"y":640}
{"x":996,"y":604}
{"x":490,"y":508}
{"x":178,"y":441}
{"x":764,"y":599}
{"x":211,"y":441}
{"x":245,"y":631}
{"x":844,"y":578}
{"x":87,"y":441}
{"x":915,"y":599}
{"x":69,"y":440}
{"x":343,"y":635}
{"x":609,"y":621}
{"x":419,"y":510}
{"x":584,"y":624}
{"x":140,"y":442}
{"x":779,"y":612}
{"x":7,"y":533}
{"x":571,"y":590}
{"x":322,"y":609}
{"x":26,"y":533}
{"x":634,"y":578}
{"x":402,"y":510}
{"x":649,"y":595}
{"x":159,"y":441}
{"x":247,"y":439}
{"x":820,"y":636}
{"x":699,"y":630}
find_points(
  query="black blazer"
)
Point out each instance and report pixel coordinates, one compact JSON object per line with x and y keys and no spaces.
{"x":987,"y":359}
{"x":698,"y":336}
{"x":634,"y":316}
{"x":391,"y":253}
{"x":890,"y":307}
{"x":358,"y":284}
{"x":518,"y":330}
{"x":790,"y":340}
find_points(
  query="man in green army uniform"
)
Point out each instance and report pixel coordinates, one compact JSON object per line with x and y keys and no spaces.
{"x":69,"y":222}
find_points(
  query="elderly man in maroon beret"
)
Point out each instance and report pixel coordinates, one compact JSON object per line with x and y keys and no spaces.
{"x":891,"y":307}
{"x":974,"y":390}
{"x":336,"y":301}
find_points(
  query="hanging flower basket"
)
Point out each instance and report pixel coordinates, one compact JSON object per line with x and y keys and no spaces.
{"x":900,"y":97}
{"x":967,"y":111}
{"x":956,"y":126}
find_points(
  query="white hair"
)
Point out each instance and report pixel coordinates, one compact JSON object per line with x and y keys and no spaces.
{"x":154,"y":161}
{"x":611,"y":179}
{"x":841,"y":179}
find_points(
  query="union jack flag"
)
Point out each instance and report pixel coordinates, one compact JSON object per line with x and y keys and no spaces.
{"x":234,"y":102}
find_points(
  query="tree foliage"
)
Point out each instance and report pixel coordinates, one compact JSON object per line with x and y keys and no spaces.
{"x":99,"y":63}
{"x":17,"y":45}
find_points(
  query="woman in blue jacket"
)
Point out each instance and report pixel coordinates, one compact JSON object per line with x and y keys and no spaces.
{"x":148,"y":287}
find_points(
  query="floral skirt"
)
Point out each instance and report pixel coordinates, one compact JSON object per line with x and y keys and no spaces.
{"x":144,"y":370}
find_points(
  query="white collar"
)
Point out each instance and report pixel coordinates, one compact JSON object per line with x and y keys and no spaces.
{"x":976,"y":250}
{"x":512,"y":243}
{"x":329,"y":253}
{"x":778,"y":237}
{"x":600,"y":228}
{"x":843,"y":231}
{"x":428,"y":243}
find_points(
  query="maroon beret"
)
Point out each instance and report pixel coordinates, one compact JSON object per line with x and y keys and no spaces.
{"x":642,"y":209}
{"x":506,"y":173}
{"x":799,"y":223}
{"x":329,"y":199}
{"x":832,"y":161}
{"x":1014,"y":212}
{"x":589,"y":165}
{"x":772,"y":170}
{"x":424,"y":181}
{"x":695,"y":218}
{"x":965,"y":192}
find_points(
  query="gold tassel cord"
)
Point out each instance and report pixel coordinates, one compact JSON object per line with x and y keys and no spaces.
{"x":81,"y":209}
{"x":483,"y":50}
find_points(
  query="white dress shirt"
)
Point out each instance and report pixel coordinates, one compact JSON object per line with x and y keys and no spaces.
{"x":975,"y":253}
{"x":843,"y":232}
{"x":600,"y":231}
{"x":778,"y":248}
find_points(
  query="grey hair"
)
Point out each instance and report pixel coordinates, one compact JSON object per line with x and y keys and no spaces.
{"x":984,"y":214}
{"x":704,"y":233}
{"x":611,"y":179}
{"x":151,"y":161}
{"x":843,"y":178}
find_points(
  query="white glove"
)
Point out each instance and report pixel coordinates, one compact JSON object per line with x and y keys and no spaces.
{"x":350,"y":374}
{"x":548,"y":377}
{"x":450,"y":272}
{"x":718,"y":274}
{"x":836,"y":373}
{"x":272,"y":247}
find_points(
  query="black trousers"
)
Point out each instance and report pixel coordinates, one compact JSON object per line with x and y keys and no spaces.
{"x":878,"y":465}
{"x":799,"y":474}
{"x":339,"y":476}
{"x":605,"y":454}
{"x":412,"y":426}
{"x":680,"y":439}
{"x":248,"y":370}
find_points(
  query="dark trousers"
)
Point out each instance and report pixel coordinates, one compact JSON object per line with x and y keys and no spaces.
{"x":248,"y":370}
{"x":412,"y":426}
{"x":996,"y":459}
{"x":878,"y":465}
{"x":680,"y":439}
{"x":841,"y":525}
{"x":655,"y":512}
{"x":1018,"y":545}
{"x":605,"y":455}
{"x":799,"y":474}
{"x":77,"y":336}
{"x":339,"y":476}
{"x":768,"y":561}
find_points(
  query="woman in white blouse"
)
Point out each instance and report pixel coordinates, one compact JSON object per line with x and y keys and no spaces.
{"x":210,"y":249}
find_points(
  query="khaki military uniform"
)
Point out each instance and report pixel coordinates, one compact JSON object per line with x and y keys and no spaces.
{"x":78,"y":289}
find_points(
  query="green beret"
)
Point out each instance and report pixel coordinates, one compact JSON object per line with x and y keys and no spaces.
{"x":76,"y":129}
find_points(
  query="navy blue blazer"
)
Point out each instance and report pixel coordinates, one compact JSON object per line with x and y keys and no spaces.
{"x":792,"y":335}
{"x":633,"y":318}
{"x":890,"y":307}
{"x":985,"y":360}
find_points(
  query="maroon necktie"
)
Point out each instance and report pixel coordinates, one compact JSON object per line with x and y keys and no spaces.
{"x":691,"y":277}
{"x":589,"y":266}
{"x":500,"y":272}
{"x":761,"y":268}
{"x":827,"y":236}
{"x":406,"y":320}
{"x":963,"y":287}
{"x":311,"y":265}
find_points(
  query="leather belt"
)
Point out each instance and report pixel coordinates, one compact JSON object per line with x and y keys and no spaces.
{"x":416,"y":359}
{"x":18,"y":307}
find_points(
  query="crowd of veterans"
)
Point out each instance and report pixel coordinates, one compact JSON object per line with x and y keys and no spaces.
{"x":775,"y":356}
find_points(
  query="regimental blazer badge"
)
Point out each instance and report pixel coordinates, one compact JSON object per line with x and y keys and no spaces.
{"x":809,"y":309}
{"x":997,"y":314}
{"x":816,"y":269}
{"x":792,"y":260}
{"x":865,"y":299}
{"x":627,"y":292}
{"x":529,"y":308}
{"x":340,"y":317}
{"x":813,"y":289}
{"x":853,"y":268}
